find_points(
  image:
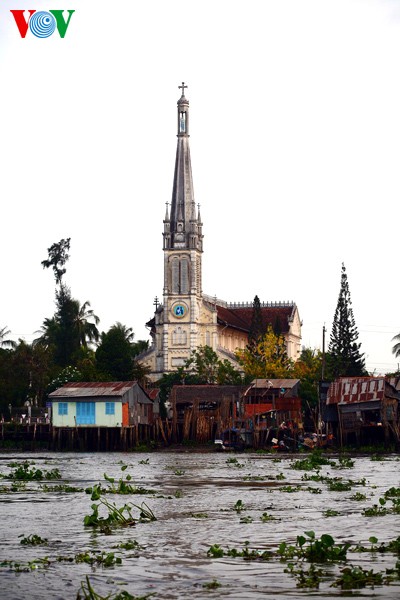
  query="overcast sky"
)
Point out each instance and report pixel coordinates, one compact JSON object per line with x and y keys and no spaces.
{"x":295,"y":144}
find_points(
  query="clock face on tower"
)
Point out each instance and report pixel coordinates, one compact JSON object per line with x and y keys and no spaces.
{"x":179,"y":310}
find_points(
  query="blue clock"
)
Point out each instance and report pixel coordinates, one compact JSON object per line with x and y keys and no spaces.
{"x":179,"y":310}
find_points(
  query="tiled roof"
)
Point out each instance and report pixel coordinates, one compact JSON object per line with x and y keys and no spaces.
{"x":240,"y":318}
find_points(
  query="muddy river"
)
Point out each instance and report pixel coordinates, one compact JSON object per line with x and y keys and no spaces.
{"x":248,"y":502}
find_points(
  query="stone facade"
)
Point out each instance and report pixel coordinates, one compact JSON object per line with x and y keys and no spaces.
{"x":187,"y":318}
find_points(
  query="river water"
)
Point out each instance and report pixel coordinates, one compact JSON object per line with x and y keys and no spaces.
{"x":194,"y":504}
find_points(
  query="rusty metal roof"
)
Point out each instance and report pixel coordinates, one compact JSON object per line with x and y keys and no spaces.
{"x":85,"y":389}
{"x":275,"y":383}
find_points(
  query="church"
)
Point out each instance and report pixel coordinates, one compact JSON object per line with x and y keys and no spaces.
{"x":187,"y":318}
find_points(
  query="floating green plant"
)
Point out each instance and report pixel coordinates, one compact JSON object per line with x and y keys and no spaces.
{"x":129,"y":545}
{"x":290,"y":489}
{"x":32,"y":540}
{"x":33,"y":565}
{"x":23,"y":472}
{"x":199,"y":515}
{"x":265,"y":517}
{"x":375,"y":510}
{"x":392,"y":492}
{"x":86,"y":592}
{"x":313,"y":461}
{"x":68,"y":489}
{"x":239,"y":506}
{"x":339,"y":486}
{"x":354,"y":577}
{"x":344,"y":463}
{"x":216,"y":551}
{"x":120,"y":486}
{"x":246,"y":519}
{"x":306,"y":578}
{"x":331,"y":513}
{"x":211,"y":585}
{"x":313,"y":549}
{"x":358,"y":496}
{"x":116,"y":516}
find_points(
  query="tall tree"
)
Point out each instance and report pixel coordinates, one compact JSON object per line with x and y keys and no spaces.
{"x":6,"y":342}
{"x":257,"y":328}
{"x":73,"y":325}
{"x":345,"y":358}
{"x":267,"y":359}
{"x":114,"y":353}
{"x":396,"y":347}
{"x":58,"y":256}
{"x":204,"y":367}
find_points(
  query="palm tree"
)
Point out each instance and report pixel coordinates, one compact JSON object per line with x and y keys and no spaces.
{"x":126,"y":331}
{"x":49,"y":332}
{"x":396,"y":347}
{"x":3,"y":342}
{"x":85,"y":330}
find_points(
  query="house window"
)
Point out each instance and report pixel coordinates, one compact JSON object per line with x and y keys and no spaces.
{"x":110,"y":408}
{"x":63,"y":408}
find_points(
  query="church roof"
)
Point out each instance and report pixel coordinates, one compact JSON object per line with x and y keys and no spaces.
{"x":278,"y":316}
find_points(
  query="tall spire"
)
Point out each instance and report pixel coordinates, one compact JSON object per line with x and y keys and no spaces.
{"x":183,"y":202}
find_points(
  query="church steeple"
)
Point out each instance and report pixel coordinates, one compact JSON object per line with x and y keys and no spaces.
{"x":183,"y":228}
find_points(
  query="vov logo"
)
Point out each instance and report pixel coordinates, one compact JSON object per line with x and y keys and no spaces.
{"x":42,"y":23}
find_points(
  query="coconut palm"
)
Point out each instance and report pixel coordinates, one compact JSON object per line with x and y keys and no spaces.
{"x":49,"y":332}
{"x":127,"y":332}
{"x":84,"y":329}
{"x":396,"y":347}
{"x":6,"y":342}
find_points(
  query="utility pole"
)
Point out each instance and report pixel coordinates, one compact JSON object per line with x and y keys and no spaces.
{"x":323,"y":353}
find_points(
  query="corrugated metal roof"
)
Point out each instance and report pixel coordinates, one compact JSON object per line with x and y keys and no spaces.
{"x":276,"y":383}
{"x":84,"y":389}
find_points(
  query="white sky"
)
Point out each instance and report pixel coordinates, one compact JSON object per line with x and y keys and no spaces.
{"x":295,"y":143}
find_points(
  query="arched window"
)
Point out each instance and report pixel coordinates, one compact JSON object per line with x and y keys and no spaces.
{"x":184,"y":276}
{"x":175,"y":276}
{"x":180,"y":279}
{"x":179,"y":337}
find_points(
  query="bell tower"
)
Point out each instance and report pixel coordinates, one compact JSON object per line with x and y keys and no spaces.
{"x":183,"y":247}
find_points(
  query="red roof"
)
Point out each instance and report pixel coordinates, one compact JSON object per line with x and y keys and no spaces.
{"x":240,"y":318}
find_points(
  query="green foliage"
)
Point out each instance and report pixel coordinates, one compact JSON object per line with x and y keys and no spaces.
{"x":23,"y":472}
{"x":257,"y":327}
{"x":313,"y":461}
{"x":114,"y":354}
{"x":211,"y":585}
{"x":358,"y":496}
{"x":67,"y":375}
{"x":216,"y":551}
{"x":331,"y":513}
{"x":266,"y":359}
{"x":313,"y":549}
{"x":57,"y":258}
{"x":33,"y":540}
{"x":239,"y":506}
{"x":115,"y":516}
{"x":344,"y":358}
{"x":354,"y":577}
{"x":86,"y":592}
{"x":265,"y":517}
{"x":306,"y":578}
{"x":375,"y":510}
{"x":205,"y":367}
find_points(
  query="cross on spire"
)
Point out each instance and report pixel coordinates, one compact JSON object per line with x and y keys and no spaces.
{"x":182,"y":87}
